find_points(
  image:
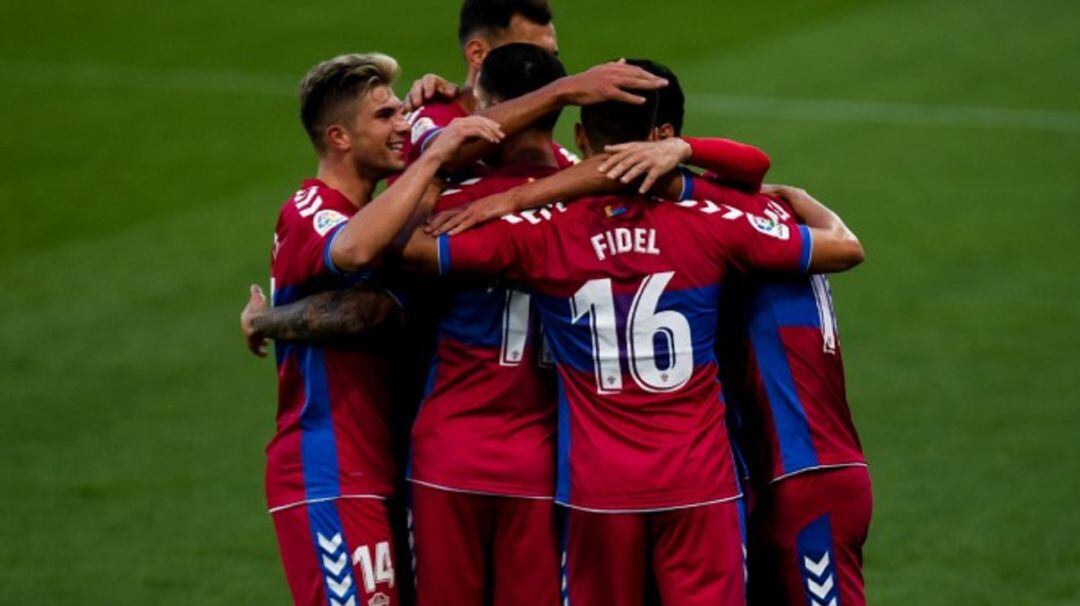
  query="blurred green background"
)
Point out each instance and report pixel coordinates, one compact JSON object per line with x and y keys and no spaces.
{"x":146,"y":148}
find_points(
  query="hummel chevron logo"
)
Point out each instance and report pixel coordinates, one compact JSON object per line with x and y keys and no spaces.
{"x":732,"y":213}
{"x":330,"y":546}
{"x":340,"y":588}
{"x":817,"y":568}
{"x":710,"y":207}
{"x":335,"y":567}
{"x":820,"y":591}
{"x":350,"y":602}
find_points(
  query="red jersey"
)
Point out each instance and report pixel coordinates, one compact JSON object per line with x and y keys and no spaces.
{"x":333,"y":434}
{"x":627,"y":291}
{"x":430,"y":119}
{"x":782,"y":369}
{"x":487,"y":420}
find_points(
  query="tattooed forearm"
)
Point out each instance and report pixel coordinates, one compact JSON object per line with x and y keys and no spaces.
{"x":333,"y":317}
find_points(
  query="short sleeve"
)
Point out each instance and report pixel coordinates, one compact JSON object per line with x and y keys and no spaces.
{"x":310,"y":225}
{"x":502,"y":247}
{"x":424,"y":124}
{"x":763,"y":242}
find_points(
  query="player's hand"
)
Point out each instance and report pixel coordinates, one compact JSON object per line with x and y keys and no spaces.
{"x":477,"y":212}
{"x":459,"y":132}
{"x":607,"y":82}
{"x":786,"y":193}
{"x":256,"y":306}
{"x":629,"y":161}
{"x":428,"y":88}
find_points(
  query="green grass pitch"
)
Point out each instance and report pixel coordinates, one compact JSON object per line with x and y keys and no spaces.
{"x":146,"y":148}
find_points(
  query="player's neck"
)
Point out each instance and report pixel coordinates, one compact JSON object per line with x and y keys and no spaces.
{"x":530,"y":147}
{"x":347,"y":180}
{"x":467,"y":99}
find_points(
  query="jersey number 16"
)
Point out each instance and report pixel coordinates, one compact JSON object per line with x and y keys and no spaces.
{"x":646,"y":328}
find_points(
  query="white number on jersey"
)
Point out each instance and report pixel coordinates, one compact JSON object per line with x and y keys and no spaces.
{"x":515,"y":331}
{"x":826,"y":313}
{"x":381,"y":570}
{"x":644,"y":326}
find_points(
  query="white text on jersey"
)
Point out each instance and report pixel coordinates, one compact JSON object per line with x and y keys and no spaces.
{"x":623,"y":240}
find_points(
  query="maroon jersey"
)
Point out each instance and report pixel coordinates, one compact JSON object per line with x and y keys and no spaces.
{"x":333,"y":432}
{"x":627,"y":290}
{"x":487,"y":421}
{"x":783,"y":369}
{"x":430,"y":119}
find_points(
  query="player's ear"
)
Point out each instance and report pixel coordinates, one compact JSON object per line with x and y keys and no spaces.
{"x":337,"y":138}
{"x":666,"y":131}
{"x":476,"y":49}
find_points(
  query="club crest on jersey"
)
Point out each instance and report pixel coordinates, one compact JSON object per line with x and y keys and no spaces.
{"x":769,"y":227}
{"x":325,"y":220}
{"x":614,"y":211}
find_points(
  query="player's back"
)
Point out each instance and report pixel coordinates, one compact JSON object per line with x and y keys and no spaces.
{"x":333,"y":433}
{"x":627,"y":290}
{"x":487,"y":422}
{"x":782,"y":368}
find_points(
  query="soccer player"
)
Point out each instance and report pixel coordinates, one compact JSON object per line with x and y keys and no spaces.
{"x":482,"y":468}
{"x":329,"y":465}
{"x":784,"y":378}
{"x":627,"y":291}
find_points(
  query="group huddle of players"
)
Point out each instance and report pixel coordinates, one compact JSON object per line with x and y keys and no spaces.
{"x":634,"y":392}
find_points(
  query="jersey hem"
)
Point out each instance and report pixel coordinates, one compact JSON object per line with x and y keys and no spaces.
{"x":651,"y":509}
{"x":817,"y":468}
{"x":324,"y":500}
{"x":479,"y":492}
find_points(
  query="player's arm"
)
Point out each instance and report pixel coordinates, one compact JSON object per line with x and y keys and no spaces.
{"x":579,"y":180}
{"x":835,"y":247}
{"x":588,"y":177}
{"x":735,"y":164}
{"x":607,"y":82}
{"x":371,"y":231}
{"x":339,"y":317}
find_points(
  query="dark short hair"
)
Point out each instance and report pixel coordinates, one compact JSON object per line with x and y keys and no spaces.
{"x":489,"y":16}
{"x":336,"y":83}
{"x":513,"y":70}
{"x":672,"y":107}
{"x":614,"y":122}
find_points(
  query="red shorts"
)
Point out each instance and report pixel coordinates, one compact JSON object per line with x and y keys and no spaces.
{"x":694,"y":556}
{"x":806,"y":538}
{"x":338,"y":553}
{"x":472,"y":549}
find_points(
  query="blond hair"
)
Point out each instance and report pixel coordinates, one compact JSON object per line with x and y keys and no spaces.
{"x":331,"y":87}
